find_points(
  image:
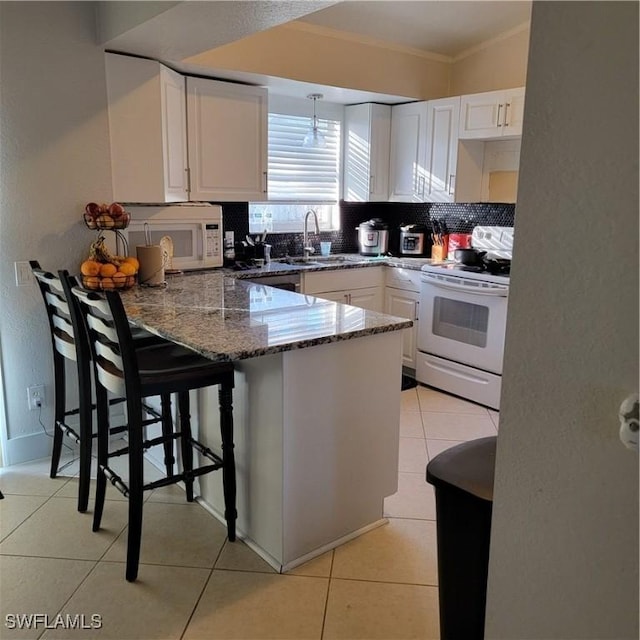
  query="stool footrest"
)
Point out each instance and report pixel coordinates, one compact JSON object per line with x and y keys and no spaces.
{"x":115,"y":480}
{"x":68,"y":431}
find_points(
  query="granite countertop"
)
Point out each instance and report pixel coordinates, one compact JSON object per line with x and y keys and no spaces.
{"x":225,"y":318}
{"x":333,"y":263}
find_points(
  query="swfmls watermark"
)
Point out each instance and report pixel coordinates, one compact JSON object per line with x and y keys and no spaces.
{"x":46,"y":621}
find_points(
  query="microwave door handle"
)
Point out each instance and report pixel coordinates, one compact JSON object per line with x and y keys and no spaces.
{"x":485,"y":291}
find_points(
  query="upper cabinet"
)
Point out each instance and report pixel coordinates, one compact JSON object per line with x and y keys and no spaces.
{"x":424,"y":146}
{"x":174,"y":140}
{"x":227,"y":140}
{"x":408,"y":150}
{"x":496,"y":114}
{"x":441,"y":149}
{"x":148,"y":130}
{"x":367,"y":134}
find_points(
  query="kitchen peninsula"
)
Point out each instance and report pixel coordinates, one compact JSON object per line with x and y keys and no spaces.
{"x":316,"y":406}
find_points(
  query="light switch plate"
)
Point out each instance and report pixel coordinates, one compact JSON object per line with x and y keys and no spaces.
{"x":24,"y":274}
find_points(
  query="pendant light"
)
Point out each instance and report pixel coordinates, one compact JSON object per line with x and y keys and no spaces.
{"x":314,"y":138}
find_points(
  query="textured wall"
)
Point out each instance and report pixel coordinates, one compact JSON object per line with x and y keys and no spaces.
{"x":55,"y":158}
{"x":564,"y":547}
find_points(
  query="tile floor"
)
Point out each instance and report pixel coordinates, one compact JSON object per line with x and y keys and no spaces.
{"x":380,"y":585}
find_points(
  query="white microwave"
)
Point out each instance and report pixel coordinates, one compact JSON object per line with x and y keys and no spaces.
{"x":195,"y":230}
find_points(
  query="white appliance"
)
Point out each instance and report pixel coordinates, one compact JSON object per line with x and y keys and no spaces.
{"x":195,"y":230}
{"x":461,"y":330}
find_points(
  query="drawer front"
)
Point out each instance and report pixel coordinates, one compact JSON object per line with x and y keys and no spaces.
{"x":401,"y":278}
{"x":340,"y":279}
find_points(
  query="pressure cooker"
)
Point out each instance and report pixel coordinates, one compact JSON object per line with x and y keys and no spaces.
{"x":373,"y":237}
{"x":413,"y":240}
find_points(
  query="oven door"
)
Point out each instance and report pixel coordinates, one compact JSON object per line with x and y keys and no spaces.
{"x":463,"y":320}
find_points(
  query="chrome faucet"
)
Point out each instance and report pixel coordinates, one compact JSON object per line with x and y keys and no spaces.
{"x":307,"y":249}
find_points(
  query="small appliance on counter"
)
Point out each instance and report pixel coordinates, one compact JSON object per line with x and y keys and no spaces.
{"x":373,"y":237}
{"x":413,"y":240}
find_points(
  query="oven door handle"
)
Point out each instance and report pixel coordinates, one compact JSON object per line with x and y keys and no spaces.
{"x":498,"y":292}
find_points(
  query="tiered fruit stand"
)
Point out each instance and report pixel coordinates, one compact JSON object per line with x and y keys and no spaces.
{"x":102,"y":269}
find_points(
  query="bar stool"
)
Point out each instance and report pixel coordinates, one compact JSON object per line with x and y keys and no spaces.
{"x":69,"y":344}
{"x":138,"y":374}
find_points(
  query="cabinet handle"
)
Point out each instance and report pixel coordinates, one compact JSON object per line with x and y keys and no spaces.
{"x":452,"y":177}
{"x":417,"y":309}
{"x":264,"y":173}
{"x":499,"y":108}
{"x":506,"y":111}
{"x":371,"y":182}
{"x":188,"y":172}
{"x":347,"y":297}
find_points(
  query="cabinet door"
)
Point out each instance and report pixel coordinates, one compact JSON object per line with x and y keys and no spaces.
{"x":407,"y":173}
{"x":404,"y":304}
{"x":514,"y":112}
{"x":442,"y":149}
{"x":334,"y":296}
{"x":367,"y":132}
{"x":227,"y":140}
{"x":481,"y":115}
{"x":147,"y":130}
{"x":369,"y":298}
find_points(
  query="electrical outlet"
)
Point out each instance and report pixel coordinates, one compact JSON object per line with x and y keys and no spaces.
{"x":35,"y":396}
{"x":24,"y":275}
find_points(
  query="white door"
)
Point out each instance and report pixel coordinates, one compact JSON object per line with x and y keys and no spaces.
{"x":442,"y":149}
{"x":408,"y":139}
{"x":480,"y":115}
{"x":514,"y":112}
{"x":369,"y":298}
{"x":227,"y":140}
{"x":404,"y":304}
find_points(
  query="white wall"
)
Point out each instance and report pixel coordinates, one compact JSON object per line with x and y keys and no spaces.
{"x":564,"y":547}
{"x":55,"y":159}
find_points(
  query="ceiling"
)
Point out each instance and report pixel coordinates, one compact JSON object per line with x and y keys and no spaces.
{"x":178,"y":30}
{"x":445,"y":27}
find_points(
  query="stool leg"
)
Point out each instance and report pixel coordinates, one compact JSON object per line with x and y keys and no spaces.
{"x":167,"y":432}
{"x":58,"y":411}
{"x":225,"y":395}
{"x":86,"y":435}
{"x":102,"y":411}
{"x":136,"y":486}
{"x":185,"y":441}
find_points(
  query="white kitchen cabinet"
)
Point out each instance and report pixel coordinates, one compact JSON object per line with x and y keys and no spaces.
{"x":227,"y":140}
{"x":441,"y":149}
{"x":408,"y":152}
{"x":367,"y":135}
{"x":147,"y":130}
{"x":424,"y":148}
{"x":175,"y":139}
{"x":494,"y":114}
{"x":358,"y":287}
{"x":402,"y":296}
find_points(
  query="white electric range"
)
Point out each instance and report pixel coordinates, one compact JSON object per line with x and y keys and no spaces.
{"x":463,"y":315}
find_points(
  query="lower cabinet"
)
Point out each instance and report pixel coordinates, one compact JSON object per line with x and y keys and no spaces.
{"x":358,"y":287}
{"x":402,"y":295}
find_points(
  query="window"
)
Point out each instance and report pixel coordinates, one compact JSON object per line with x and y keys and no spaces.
{"x":300,"y":178}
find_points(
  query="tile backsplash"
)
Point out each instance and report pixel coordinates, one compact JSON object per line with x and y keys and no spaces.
{"x":460,"y":218}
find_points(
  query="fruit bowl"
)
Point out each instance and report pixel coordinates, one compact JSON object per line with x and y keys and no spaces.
{"x":107,"y":221}
{"x":106,"y":216}
{"x":106,"y":283}
{"x":119,"y":274}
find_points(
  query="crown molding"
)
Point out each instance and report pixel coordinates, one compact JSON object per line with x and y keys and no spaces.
{"x":365,"y":40}
{"x":525,"y":26}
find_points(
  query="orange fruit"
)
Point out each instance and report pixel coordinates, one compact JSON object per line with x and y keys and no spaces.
{"x":107,"y":283}
{"x":130,"y":281}
{"x":91,"y":282}
{"x":128,"y":268}
{"x":108,"y":269}
{"x":119,"y":279}
{"x":90,"y":268}
{"x":133,"y":261}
